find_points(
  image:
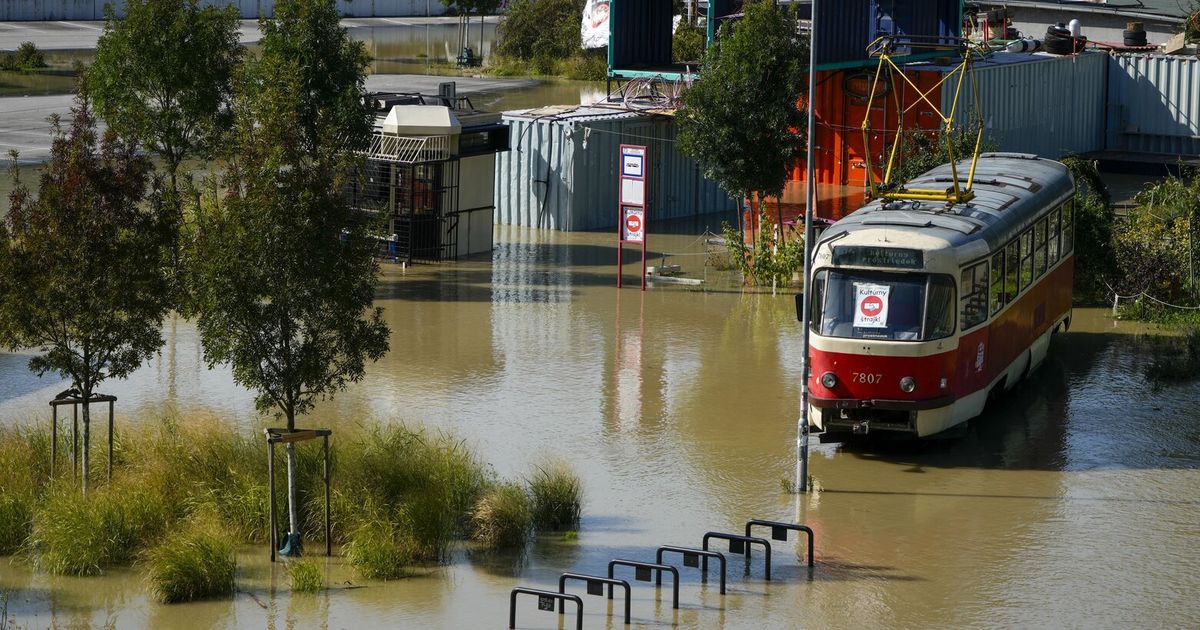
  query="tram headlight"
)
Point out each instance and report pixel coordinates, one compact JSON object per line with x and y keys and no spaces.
{"x":908,"y":384}
{"x":829,"y":380}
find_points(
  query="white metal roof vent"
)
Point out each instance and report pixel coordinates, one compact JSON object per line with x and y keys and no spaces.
{"x":421,"y":120}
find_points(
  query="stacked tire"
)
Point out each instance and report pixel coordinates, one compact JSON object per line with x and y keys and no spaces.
{"x":1135,"y":34}
{"x":1058,"y":41}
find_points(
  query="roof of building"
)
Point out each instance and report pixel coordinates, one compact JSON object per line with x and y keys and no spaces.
{"x":1169,"y":8}
{"x":1009,"y":189}
{"x":576,"y":113}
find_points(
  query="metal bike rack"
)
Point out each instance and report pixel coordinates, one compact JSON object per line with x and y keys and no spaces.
{"x":595,"y":586}
{"x":691,"y":558}
{"x":642,"y":574}
{"x":779,"y":531}
{"x":546,"y":601}
{"x":739,"y":544}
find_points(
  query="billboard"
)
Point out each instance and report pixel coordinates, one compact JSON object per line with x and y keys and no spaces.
{"x":595,"y":24}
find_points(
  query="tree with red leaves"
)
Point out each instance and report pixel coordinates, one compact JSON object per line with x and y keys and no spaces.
{"x":81,"y":262}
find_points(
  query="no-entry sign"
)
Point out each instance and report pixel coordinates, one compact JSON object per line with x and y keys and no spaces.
{"x":635,"y":225}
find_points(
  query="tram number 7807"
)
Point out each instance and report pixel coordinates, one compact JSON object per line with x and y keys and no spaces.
{"x":863,"y":377}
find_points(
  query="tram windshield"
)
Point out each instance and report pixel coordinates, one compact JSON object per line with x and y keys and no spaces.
{"x":857,"y":304}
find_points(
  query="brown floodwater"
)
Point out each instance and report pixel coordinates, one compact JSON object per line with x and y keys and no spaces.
{"x":1072,"y":503}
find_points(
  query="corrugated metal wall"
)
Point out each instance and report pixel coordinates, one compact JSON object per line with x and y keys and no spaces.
{"x":844,"y":31}
{"x":847,"y":27}
{"x":548,"y":180}
{"x":1154,"y":104}
{"x":640,"y":33}
{"x":1051,"y":107}
{"x":29,"y":10}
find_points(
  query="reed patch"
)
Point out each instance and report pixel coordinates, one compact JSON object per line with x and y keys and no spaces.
{"x":196,"y":561}
{"x":186,"y":492}
{"x":557,"y":495}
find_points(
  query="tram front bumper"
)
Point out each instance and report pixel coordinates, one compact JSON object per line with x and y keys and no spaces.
{"x":866,"y":416}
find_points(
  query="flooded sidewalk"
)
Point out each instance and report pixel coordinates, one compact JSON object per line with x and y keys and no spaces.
{"x":1070,"y":503}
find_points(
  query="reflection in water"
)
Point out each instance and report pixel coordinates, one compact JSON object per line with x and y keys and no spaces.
{"x":1069,"y":503}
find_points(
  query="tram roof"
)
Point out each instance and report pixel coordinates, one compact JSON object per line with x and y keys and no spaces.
{"x":1010,"y":190}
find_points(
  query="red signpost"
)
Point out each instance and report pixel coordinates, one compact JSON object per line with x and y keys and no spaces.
{"x":631,"y":220}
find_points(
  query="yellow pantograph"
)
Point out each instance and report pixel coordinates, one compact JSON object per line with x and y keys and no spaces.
{"x":958,"y":191}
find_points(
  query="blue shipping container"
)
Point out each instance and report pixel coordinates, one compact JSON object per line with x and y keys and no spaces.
{"x":639,"y":34}
{"x":846,"y":28}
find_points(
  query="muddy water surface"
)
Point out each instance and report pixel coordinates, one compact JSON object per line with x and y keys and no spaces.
{"x":1072,"y":503}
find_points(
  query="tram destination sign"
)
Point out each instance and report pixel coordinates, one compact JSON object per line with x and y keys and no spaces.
{"x":878,"y":257}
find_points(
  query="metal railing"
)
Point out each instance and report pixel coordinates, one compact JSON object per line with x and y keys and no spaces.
{"x":779,"y":531}
{"x":642,"y":573}
{"x":648,"y":571}
{"x":739,"y":544}
{"x":546,"y":600}
{"x":691,"y":558}
{"x":386,"y":147}
{"x":595,"y":586}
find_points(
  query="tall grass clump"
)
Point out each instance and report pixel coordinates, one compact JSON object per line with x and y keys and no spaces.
{"x":305,"y":576}
{"x":428,"y":482}
{"x":24,"y":460}
{"x":380,"y":548}
{"x":74,"y":534}
{"x":557,"y":497}
{"x":502,"y":518}
{"x":194,"y":562}
{"x":16,"y":520}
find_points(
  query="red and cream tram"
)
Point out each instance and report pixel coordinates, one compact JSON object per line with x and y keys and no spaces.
{"x":922,"y":310}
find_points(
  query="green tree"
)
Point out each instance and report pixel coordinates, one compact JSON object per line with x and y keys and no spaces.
{"x":740,"y":120}
{"x":467,"y":8}
{"x":281,"y":269}
{"x":1095,"y":222}
{"x":541,"y":29}
{"x":164,"y":74}
{"x":80,"y":278}
{"x":922,"y":150}
{"x":687,"y":45}
{"x":27,"y":58}
{"x":473,"y":7}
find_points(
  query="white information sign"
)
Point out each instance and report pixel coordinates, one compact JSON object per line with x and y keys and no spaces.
{"x":871,"y":305}
{"x":633,"y":162}
{"x":634,"y":225}
{"x":594,"y":29}
{"x":633,"y":191}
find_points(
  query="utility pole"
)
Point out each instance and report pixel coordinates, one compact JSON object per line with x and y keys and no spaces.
{"x":810,"y":205}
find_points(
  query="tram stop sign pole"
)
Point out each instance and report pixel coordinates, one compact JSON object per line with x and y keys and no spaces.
{"x":631,"y":217}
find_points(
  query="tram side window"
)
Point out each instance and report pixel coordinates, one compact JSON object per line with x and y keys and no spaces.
{"x":974,"y":295}
{"x":1052,"y":233}
{"x":1039,"y":249}
{"x":1068,"y":227}
{"x":1026,"y":258}
{"x":939,"y":309}
{"x":996,"y":292}
{"x":815,"y":300}
{"x":1012,"y":256}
